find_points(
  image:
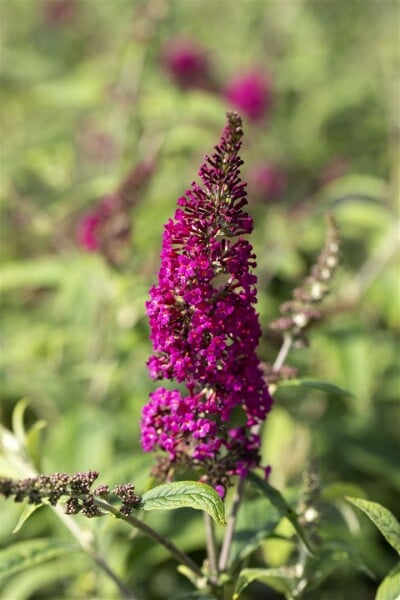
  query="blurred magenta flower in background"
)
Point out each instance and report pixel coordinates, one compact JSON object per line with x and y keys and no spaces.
{"x":267,"y":182}
{"x":89,"y":227}
{"x":107,"y":227}
{"x":59,"y":12}
{"x":186,"y":61}
{"x":250,"y":93}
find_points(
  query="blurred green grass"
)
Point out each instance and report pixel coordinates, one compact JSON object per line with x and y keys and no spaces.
{"x":84,"y":99}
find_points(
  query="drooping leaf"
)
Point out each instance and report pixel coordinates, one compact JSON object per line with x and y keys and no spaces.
{"x":324,"y":386}
{"x":384,"y":520}
{"x":26,"y":554}
{"x":185,"y":494}
{"x":28,"y":510}
{"x":277,"y":500}
{"x":281,"y":579}
{"x":389,"y":589}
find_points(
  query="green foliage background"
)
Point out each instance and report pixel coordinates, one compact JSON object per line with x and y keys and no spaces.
{"x":75,"y":335}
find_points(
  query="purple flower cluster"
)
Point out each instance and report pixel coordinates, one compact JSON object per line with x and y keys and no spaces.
{"x":205,"y":329}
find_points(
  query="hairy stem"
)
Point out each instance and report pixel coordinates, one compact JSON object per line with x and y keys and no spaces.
{"x":157,"y":537}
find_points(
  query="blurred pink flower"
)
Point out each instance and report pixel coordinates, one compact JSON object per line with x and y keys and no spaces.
{"x":59,"y":12}
{"x":268,"y":182}
{"x":187,"y":63}
{"x":107,"y":227}
{"x":250,"y":93}
{"x":90,"y":226}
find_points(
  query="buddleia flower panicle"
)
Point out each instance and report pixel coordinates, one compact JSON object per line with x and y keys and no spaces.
{"x":205,"y":330}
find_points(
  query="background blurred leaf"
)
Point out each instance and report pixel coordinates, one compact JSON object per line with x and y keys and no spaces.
{"x":24,"y":555}
{"x":279,"y":502}
{"x":317,"y":385}
{"x":281,"y":579}
{"x":26,"y":513}
{"x":256,"y":521}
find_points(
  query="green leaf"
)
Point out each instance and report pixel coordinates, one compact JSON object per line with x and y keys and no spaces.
{"x":281,"y":579}
{"x":387,"y":524}
{"x":390,"y":586}
{"x":32,"y":273}
{"x":18,"y":420}
{"x":32,"y":582}
{"x":332,"y":557}
{"x":329,"y":388}
{"x":341,"y":489}
{"x":256,"y":521}
{"x":33,"y":439}
{"x":26,"y":554}
{"x":277,"y":500}
{"x":185,"y":494}
{"x":29,"y":509}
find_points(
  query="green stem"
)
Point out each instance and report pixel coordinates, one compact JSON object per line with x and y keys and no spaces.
{"x":230,"y":529}
{"x":152,"y":533}
{"x":211,"y":547}
{"x":86,"y":542}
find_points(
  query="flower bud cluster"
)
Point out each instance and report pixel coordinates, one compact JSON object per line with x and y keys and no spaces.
{"x":204,"y":326}
{"x":73,"y":490}
{"x":53,"y":488}
{"x":300,"y":312}
{"x":126,"y":493}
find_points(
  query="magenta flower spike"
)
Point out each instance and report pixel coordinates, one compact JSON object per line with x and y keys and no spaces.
{"x":205,"y":330}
